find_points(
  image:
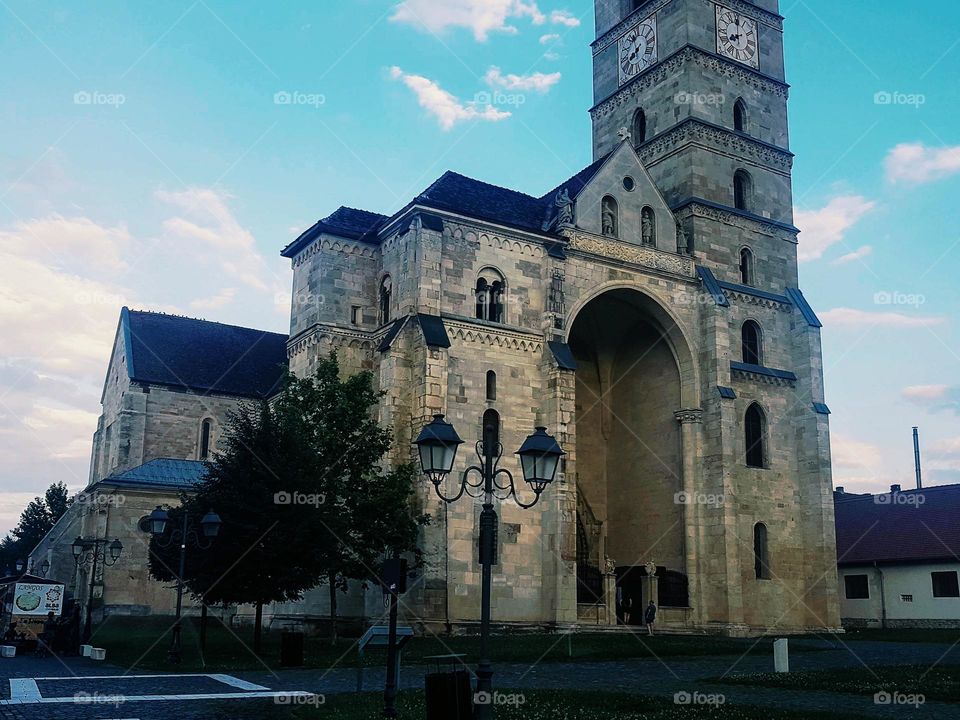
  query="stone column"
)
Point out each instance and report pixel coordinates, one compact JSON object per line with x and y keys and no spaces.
{"x":691,"y":422}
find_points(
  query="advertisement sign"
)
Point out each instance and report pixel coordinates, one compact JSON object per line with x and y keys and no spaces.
{"x":37,"y":599}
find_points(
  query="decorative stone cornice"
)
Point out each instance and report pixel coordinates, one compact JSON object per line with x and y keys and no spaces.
{"x":762,"y":378}
{"x":478,"y":235}
{"x":337,"y":245}
{"x":661,"y":72}
{"x":729,"y":217}
{"x":334,"y":336}
{"x":484,"y":335}
{"x":614,"y":33}
{"x":689,"y":416}
{"x":750,"y":10}
{"x":646,"y":257}
{"x":749,"y":299}
{"x":718,"y":139}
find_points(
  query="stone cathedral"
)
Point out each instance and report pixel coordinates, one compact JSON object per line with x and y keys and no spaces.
{"x":645,"y":310}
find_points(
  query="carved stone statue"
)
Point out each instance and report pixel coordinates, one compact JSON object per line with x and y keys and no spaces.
{"x":648,"y":227}
{"x":610,"y":566}
{"x":624,"y":134}
{"x":565,"y":214}
{"x":683,"y":244}
{"x":651,"y":568}
{"x":609,"y":217}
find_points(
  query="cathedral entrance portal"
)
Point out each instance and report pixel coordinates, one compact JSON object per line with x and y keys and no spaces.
{"x":630,"y":384}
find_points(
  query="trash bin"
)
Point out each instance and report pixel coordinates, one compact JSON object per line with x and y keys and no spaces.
{"x":291,"y":649}
{"x":449,"y":696}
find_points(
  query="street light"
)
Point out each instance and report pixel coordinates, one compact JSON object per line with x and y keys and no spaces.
{"x":20,"y":565}
{"x":94,"y":552}
{"x":539,"y":458}
{"x":158,"y":523}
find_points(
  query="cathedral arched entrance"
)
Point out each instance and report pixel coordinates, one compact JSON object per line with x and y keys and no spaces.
{"x":635,"y":371}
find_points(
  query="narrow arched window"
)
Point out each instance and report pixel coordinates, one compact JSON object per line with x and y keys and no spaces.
{"x":206,"y":428}
{"x":754,"y":427}
{"x":740,"y":115}
{"x":490,"y":295}
{"x":752,"y":338}
{"x":648,"y":226}
{"x":491,"y":385}
{"x":386,"y":292}
{"x":639,"y":131}
{"x":746,"y":266}
{"x":610,"y":217}
{"x":491,"y":431}
{"x":742,"y":190}
{"x":761,"y":552}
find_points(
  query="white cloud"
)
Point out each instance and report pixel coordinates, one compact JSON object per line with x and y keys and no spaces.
{"x":849,"y":453}
{"x":447,"y":108}
{"x":549,"y":38}
{"x":916,"y":163}
{"x":537,"y":82}
{"x":925,"y":393}
{"x":858,"y":254}
{"x":482,"y":17}
{"x":823,"y":228}
{"x":849,"y":317}
{"x":564,"y":17}
{"x":221,"y":299}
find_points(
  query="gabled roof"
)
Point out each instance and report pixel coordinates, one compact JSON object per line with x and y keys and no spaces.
{"x":578,"y":182}
{"x":909,"y":526}
{"x":162,"y":473}
{"x":202,"y":356}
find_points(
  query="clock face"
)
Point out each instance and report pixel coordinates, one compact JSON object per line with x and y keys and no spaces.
{"x":638,"y":49}
{"x":737,"y":37}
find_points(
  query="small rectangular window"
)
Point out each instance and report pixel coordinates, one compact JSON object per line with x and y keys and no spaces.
{"x":906,"y":598}
{"x":356,"y":315}
{"x":945,"y":584}
{"x":857,"y":587}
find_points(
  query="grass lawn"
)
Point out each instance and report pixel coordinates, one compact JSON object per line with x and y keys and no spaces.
{"x":560,"y":705}
{"x":907,"y":635}
{"x":939,"y":683}
{"x":143,"y":642}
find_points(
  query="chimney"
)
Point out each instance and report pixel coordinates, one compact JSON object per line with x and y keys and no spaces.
{"x":895,"y":488}
{"x":916,"y":457}
{"x":840,"y":490}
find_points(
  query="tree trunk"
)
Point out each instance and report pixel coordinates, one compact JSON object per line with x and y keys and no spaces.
{"x":333,"y":608}
{"x":258,"y":627}
{"x":203,"y":626}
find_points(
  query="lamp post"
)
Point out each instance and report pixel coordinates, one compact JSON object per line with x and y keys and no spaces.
{"x":93,"y":552}
{"x":539,"y":457}
{"x":159,"y":525}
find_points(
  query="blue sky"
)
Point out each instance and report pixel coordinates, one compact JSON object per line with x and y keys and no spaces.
{"x":149,"y":160}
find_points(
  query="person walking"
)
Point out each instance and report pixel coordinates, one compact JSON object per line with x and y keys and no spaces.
{"x":650,"y":616}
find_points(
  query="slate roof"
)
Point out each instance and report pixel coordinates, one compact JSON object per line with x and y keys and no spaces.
{"x":202,"y":356}
{"x":163,"y":472}
{"x":344,"y":222}
{"x":913,"y":526}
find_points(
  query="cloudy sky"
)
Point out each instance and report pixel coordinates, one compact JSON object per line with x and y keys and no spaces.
{"x":160,"y":155}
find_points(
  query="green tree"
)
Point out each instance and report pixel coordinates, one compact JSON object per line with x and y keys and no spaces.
{"x":36,"y":520}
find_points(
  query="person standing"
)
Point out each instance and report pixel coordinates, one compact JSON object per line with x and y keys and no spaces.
{"x":650,"y":616}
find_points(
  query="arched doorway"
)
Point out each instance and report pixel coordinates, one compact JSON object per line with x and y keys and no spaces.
{"x":635,"y":371}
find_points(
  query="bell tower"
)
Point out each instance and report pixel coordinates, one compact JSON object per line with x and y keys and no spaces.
{"x":700,"y":84}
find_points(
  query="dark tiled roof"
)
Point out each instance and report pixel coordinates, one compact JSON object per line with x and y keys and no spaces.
{"x":203,"y":356}
{"x":457,"y":193}
{"x":911,"y":526}
{"x":164,"y":472}
{"x":344,"y":222}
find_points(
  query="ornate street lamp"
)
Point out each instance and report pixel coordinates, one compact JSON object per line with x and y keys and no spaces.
{"x":158,"y":524}
{"x":94,"y":552}
{"x":539,"y":458}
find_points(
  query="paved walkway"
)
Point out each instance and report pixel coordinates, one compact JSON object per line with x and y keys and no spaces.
{"x":78,"y":689}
